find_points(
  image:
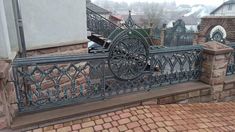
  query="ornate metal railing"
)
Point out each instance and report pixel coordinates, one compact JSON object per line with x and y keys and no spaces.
{"x":130,"y":65}
{"x":99,"y":24}
{"x":231,"y":65}
{"x":178,"y":35}
{"x":104,"y":27}
{"x":47,"y":82}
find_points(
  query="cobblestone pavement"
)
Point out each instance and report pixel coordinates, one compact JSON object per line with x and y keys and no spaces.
{"x":163,"y":118}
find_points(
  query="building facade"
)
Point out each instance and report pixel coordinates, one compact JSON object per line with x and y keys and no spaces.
{"x":220,"y":25}
{"x":46,"y":24}
{"x":226,"y":9}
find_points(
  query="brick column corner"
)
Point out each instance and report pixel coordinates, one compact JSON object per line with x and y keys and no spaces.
{"x":8,"y":105}
{"x":216,"y":57}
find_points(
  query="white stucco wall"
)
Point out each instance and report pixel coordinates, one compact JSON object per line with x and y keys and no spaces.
{"x":223,"y":11}
{"x":49,"y":23}
{"x":5,"y":47}
{"x":11,"y":24}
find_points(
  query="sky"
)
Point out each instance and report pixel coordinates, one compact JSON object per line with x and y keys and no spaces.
{"x":179,"y":2}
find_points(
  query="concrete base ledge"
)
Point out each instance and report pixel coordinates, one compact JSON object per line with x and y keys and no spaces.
{"x":89,"y":109}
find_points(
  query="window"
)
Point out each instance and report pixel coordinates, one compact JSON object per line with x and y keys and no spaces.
{"x":230,"y":7}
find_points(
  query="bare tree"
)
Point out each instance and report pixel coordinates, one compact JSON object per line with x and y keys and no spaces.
{"x":154,"y":14}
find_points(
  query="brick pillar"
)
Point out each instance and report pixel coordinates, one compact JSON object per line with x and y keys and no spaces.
{"x":8,"y":105}
{"x":162,"y":34}
{"x":195,"y":39}
{"x":214,"y":66}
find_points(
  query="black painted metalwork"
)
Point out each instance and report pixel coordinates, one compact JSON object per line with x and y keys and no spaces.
{"x":177,"y":35}
{"x":64,"y":80}
{"x":99,"y":24}
{"x":216,"y":36}
{"x":19,"y":29}
{"x":130,"y":65}
{"x":231,"y":65}
{"x":58,"y":81}
{"x":107,"y":29}
{"x":129,"y":23}
{"x":128,"y":54}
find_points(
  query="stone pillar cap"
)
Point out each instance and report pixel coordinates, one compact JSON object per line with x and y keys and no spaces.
{"x":216,"y":48}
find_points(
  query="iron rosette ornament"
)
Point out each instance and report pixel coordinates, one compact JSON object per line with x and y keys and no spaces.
{"x":128,"y":54}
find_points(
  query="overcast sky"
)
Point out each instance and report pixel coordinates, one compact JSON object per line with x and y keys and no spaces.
{"x":178,"y":2}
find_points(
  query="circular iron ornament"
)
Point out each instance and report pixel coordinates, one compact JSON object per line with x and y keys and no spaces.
{"x":218,"y":36}
{"x":128,"y":55}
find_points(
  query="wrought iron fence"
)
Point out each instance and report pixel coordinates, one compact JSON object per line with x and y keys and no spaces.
{"x":109,"y":30}
{"x":231,"y":65}
{"x":178,"y":35}
{"x":99,"y":24}
{"x":130,"y":65}
{"x":179,"y":39}
{"x":47,"y":82}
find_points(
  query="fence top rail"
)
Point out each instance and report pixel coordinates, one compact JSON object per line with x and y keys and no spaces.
{"x":57,"y":59}
{"x":86,"y":57}
{"x":156,"y":50}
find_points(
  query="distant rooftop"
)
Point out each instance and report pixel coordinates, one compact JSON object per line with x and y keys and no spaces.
{"x":225,"y":3}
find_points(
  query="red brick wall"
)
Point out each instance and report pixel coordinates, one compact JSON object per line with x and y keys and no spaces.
{"x":8,"y":106}
{"x":156,"y":42}
{"x":61,"y":50}
{"x":207,"y":23}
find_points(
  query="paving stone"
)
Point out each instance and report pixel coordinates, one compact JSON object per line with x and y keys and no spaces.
{"x":160,"y":124}
{"x":58,"y":126}
{"x":48,"y":128}
{"x":124,"y":121}
{"x":138,"y":129}
{"x":114,"y":123}
{"x":107,"y":125}
{"x":88,"y":129}
{"x":171,"y":118}
{"x":132,"y":125}
{"x":76,"y":126}
{"x":88,"y":124}
{"x":114,"y":129}
{"x":64,"y":129}
{"x":142,"y":122}
{"x":170,"y":129}
{"x":162,"y":130}
{"x":134,"y":118}
{"x":98,"y":128}
{"x":50,"y":131}
{"x":111,"y":114}
{"x":115,"y":117}
{"x":152,"y":126}
{"x":95,"y":118}
{"x":122,"y":128}
{"x":107,"y":119}
{"x":99,"y":121}
{"x":125,"y":115}
{"x":145,"y":128}
{"x":148,"y":120}
{"x":141,"y":117}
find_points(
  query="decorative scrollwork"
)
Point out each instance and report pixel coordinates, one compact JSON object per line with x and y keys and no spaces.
{"x":128,"y":55}
{"x":218,"y":33}
{"x":129,"y":23}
